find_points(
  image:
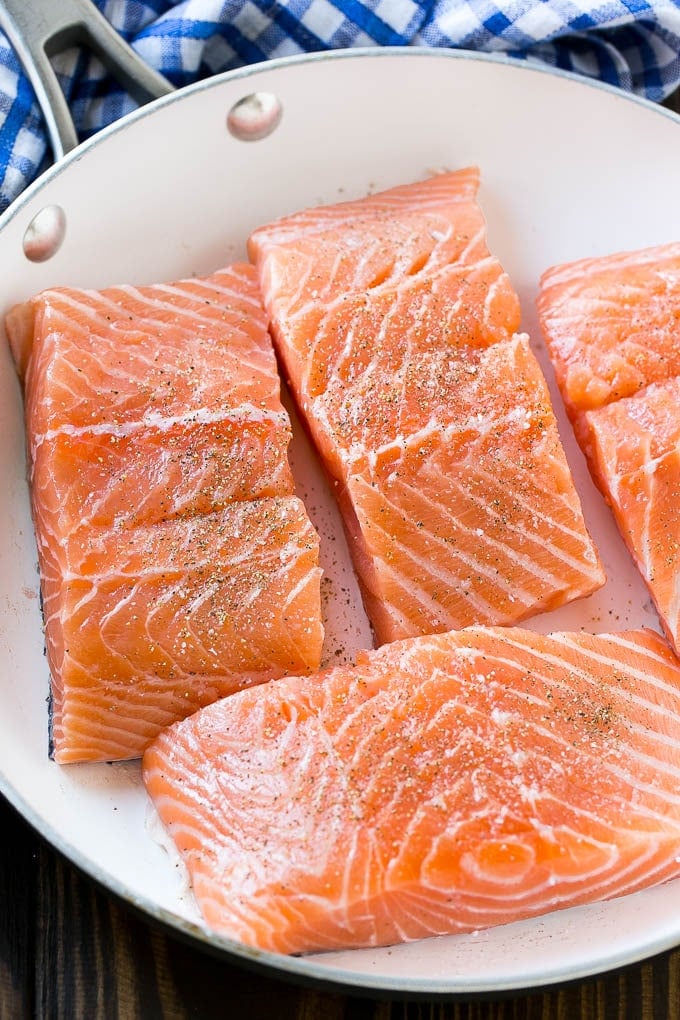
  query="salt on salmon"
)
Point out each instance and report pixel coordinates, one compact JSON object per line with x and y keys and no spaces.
{"x":443,"y":784}
{"x":145,"y":625}
{"x":176,"y":562}
{"x":397,"y":331}
{"x":149,"y":403}
{"x":612,"y":327}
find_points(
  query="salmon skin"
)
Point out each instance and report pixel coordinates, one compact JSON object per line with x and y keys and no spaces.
{"x":612,"y":327}
{"x":176,"y":563}
{"x":397,"y":330}
{"x":444,"y":784}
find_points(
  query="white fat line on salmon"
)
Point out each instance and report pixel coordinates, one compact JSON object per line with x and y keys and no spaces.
{"x":210,"y":286}
{"x":500,"y":284}
{"x":645,"y":870}
{"x":529,"y":506}
{"x":174,"y":765}
{"x":480,"y":911}
{"x":610,"y":848}
{"x":581,"y":270}
{"x":329,"y":283}
{"x":631,"y":812}
{"x":648,"y":860}
{"x":279,"y":297}
{"x":570,"y":667}
{"x":420,"y":914}
{"x":309,"y":577}
{"x":200,"y":774}
{"x":444,"y":915}
{"x":184,"y":366}
{"x":474,"y":241}
{"x":632,"y":726}
{"x":585,"y":307}
{"x":347,"y":889}
{"x":484,"y":424}
{"x":384,"y":701}
{"x":433,"y":511}
{"x":152,"y":420}
{"x":629,"y":668}
{"x":400,"y":269}
{"x":663,"y":712}
{"x":401,"y":622}
{"x":139,"y":321}
{"x":189,"y":631}
{"x":228,"y":319}
{"x":115,"y":717}
{"x":414,"y":441}
{"x":171,"y":572}
{"x":435,"y":192}
{"x":628,"y":808}
{"x":398,"y":285}
{"x":642,"y":543}
{"x":516,"y":886}
{"x":639,"y":652}
{"x":348,"y":766}
{"x":601,"y":766}
{"x":553,"y":736}
{"x":453,"y":582}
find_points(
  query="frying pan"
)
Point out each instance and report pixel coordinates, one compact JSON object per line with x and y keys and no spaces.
{"x":569,"y":168}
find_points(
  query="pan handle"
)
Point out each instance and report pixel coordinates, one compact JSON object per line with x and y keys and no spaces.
{"x":37,"y":29}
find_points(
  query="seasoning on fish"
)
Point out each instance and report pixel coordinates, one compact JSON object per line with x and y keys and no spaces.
{"x":144,"y":404}
{"x":612,"y":327}
{"x":444,"y":784}
{"x":145,"y":625}
{"x":176,"y":563}
{"x":397,"y":330}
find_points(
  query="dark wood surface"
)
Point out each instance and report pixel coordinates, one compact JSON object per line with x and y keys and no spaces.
{"x":69,"y":950}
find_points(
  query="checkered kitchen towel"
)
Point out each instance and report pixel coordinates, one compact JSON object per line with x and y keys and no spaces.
{"x":634,"y":44}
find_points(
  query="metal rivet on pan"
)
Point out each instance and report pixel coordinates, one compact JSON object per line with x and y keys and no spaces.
{"x":255,"y":116}
{"x":45,"y":233}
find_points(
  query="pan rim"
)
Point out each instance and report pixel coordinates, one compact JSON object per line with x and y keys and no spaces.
{"x":323,"y":56}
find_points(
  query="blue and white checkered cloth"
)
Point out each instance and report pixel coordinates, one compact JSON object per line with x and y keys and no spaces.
{"x":634,"y":44}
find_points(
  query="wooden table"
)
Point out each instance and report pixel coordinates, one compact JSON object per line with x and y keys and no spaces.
{"x":70,"y":951}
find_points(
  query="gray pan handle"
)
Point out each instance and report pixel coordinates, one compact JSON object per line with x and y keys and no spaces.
{"x":37,"y":29}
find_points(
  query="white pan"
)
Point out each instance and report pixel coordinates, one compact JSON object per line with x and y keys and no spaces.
{"x":568,"y":169}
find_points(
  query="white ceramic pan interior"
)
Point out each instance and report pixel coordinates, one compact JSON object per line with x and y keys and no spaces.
{"x":568,"y":169}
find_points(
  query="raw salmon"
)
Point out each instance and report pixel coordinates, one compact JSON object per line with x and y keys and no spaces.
{"x":446,"y":783}
{"x":144,"y":404}
{"x":145,"y":625}
{"x":634,"y":447}
{"x":612,"y":327}
{"x":397,"y":330}
{"x":611,"y":324}
{"x":176,"y":563}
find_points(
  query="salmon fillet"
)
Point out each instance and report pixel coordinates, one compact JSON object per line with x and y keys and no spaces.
{"x":148,"y":403}
{"x":444,"y":784}
{"x":397,"y":330}
{"x":612,"y":327}
{"x":611,"y":324}
{"x":145,"y":625}
{"x":176,"y":563}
